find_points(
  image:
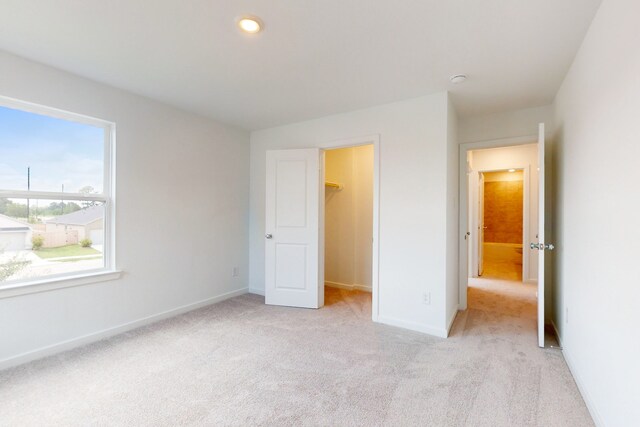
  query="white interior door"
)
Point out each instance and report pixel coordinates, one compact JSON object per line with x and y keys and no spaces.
{"x":541,"y":245}
{"x":293,"y":276}
{"x":481,"y":226}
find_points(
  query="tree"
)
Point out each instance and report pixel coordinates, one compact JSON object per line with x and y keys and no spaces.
{"x":11,"y":266}
{"x":61,"y":208}
{"x":54,"y":208}
{"x":16,"y":210}
{"x":86,"y":191}
{"x":71,"y":207}
{"x":3,"y":204}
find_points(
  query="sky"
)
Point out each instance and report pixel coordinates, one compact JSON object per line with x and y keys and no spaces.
{"x":58,"y":152}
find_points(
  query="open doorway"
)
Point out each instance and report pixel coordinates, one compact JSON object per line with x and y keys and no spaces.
{"x":501,"y":199}
{"x":348,"y":226}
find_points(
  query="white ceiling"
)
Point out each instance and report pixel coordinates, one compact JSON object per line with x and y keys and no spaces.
{"x":315,"y":57}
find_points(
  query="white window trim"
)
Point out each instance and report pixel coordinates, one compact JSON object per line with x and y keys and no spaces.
{"x":108,"y":272}
{"x":51,"y":283}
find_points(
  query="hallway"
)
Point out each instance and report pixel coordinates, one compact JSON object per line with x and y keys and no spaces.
{"x":506,"y":297}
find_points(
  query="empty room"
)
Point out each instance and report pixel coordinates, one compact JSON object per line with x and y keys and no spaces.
{"x":415,"y":213}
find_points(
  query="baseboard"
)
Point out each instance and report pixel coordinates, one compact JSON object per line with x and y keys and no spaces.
{"x":106,"y":333}
{"x":338,"y":285}
{"x":354,"y":287}
{"x":413,"y":326}
{"x":597,"y":419}
{"x":256,"y":291}
{"x":451,"y":320}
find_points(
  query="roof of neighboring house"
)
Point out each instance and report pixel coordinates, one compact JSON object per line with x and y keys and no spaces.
{"x":82,"y":217}
{"x":10,"y":224}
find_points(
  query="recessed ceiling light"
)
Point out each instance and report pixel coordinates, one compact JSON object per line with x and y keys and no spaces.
{"x":512,"y":170}
{"x":458,"y":78}
{"x":250,"y":24}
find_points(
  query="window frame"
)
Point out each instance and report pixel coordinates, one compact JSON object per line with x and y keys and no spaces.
{"x":107,"y":196}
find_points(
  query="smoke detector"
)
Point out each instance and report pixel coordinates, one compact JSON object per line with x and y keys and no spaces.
{"x":458,"y":78}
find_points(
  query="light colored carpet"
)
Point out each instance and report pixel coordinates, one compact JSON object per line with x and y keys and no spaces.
{"x":241,"y":362}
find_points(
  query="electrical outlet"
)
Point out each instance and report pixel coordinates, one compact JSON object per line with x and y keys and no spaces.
{"x":426,"y":298}
{"x":235,"y":272}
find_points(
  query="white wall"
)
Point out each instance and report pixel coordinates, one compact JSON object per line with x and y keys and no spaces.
{"x":349,"y":217}
{"x":339,"y":241}
{"x":597,"y":150}
{"x":413,"y":201}
{"x":363,"y":202}
{"x":182,"y":206}
{"x":500,"y":159}
{"x":504,"y":176}
{"x":509,"y":124}
{"x":452,"y":209}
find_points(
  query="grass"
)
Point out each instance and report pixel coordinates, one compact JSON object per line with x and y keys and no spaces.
{"x":65,"y":251}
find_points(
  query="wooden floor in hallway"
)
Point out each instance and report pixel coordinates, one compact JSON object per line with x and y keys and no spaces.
{"x":502,"y":261}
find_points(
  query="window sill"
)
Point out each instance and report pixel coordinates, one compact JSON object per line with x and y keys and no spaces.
{"x":51,"y":284}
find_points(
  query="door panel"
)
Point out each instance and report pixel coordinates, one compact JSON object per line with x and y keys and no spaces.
{"x":292,"y":228}
{"x":541,"y":236}
{"x":291,"y":261}
{"x":291,"y":193}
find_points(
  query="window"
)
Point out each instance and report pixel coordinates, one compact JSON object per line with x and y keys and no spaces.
{"x":56,"y":195}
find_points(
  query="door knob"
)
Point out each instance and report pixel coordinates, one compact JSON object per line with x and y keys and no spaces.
{"x":542,"y":246}
{"x":268,"y":236}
